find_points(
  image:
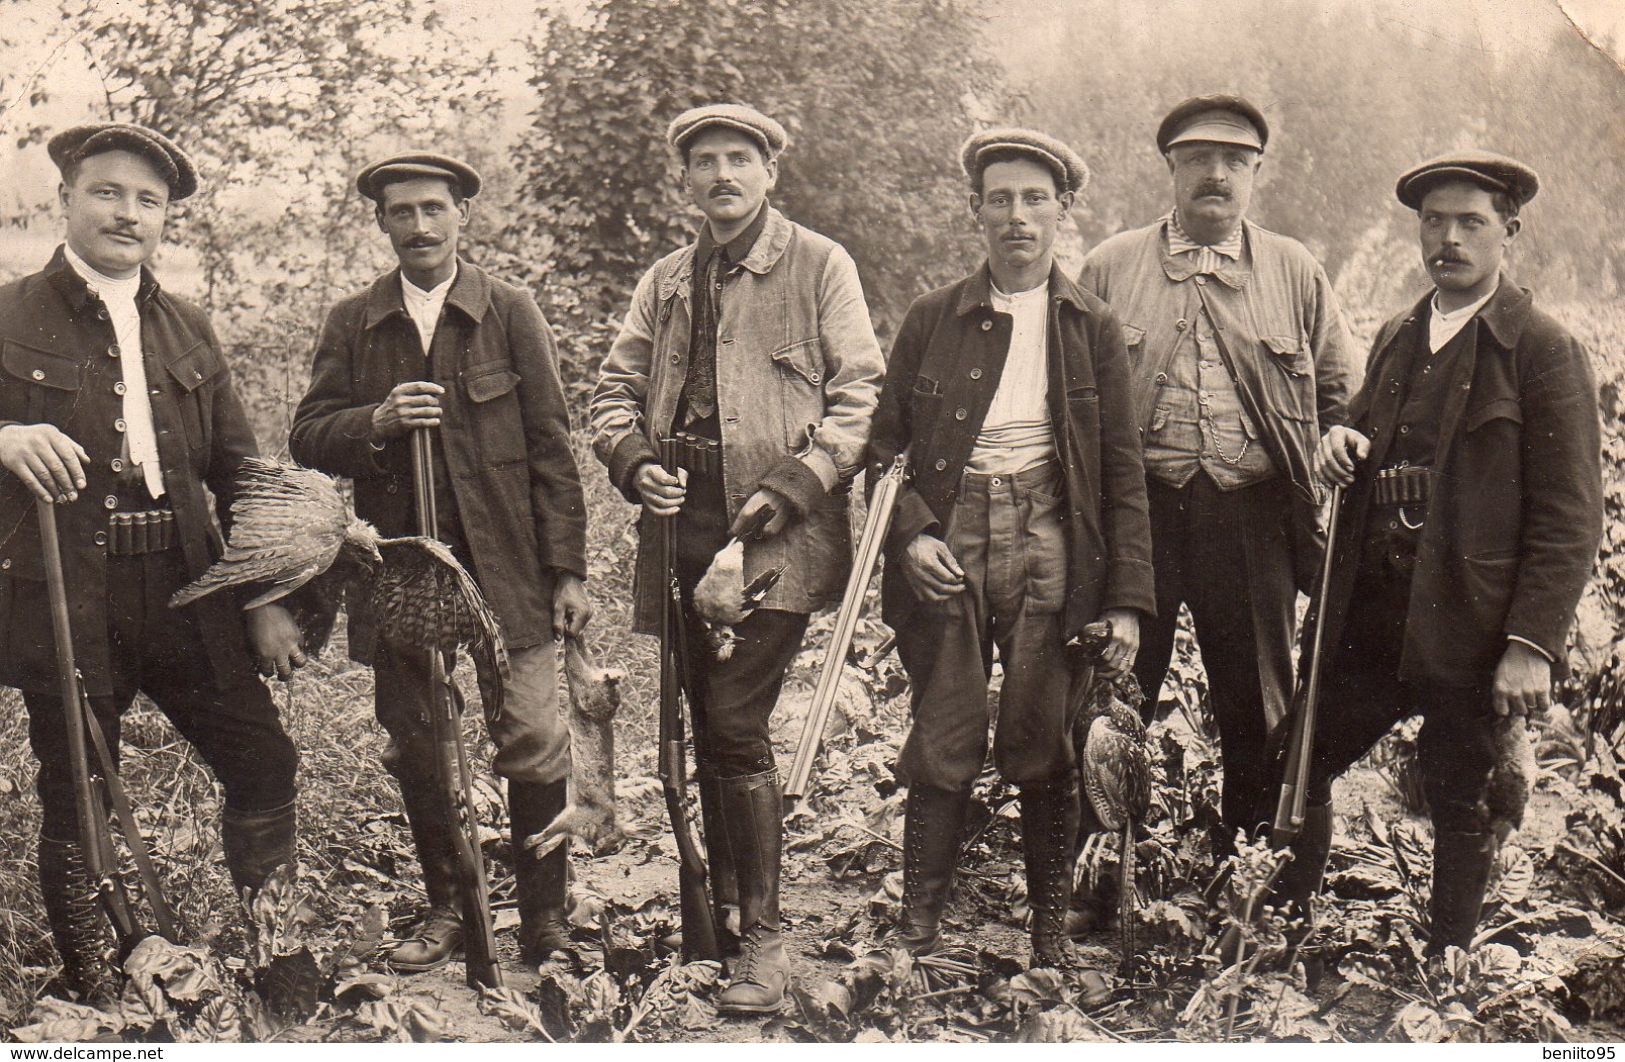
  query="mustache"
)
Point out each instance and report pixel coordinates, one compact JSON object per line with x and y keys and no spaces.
{"x":423,"y":241}
{"x":720,"y":190}
{"x":1217,"y":188}
{"x":1450,"y":258}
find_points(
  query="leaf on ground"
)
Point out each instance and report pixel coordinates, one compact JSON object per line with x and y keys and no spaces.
{"x":404,"y":1021}
{"x":59,"y":1021}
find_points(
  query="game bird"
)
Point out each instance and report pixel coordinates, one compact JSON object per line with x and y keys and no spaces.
{"x":723,"y":599}
{"x":290,"y":529}
{"x":1113,"y":762}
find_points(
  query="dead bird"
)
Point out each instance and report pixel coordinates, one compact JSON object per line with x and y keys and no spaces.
{"x":722,"y":598}
{"x":589,"y":817}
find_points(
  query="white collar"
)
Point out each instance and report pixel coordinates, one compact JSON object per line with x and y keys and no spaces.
{"x":436,"y":292}
{"x":1017,"y":296}
{"x":123,"y":288}
{"x":1452,"y":317}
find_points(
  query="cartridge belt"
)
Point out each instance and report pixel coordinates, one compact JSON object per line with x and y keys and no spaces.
{"x":132,"y":534}
{"x":701,"y":456}
{"x":1403,"y":485}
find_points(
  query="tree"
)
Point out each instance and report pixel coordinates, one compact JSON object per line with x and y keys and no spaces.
{"x":877,"y":95}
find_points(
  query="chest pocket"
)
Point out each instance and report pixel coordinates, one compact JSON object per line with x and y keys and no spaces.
{"x":1290,"y":376}
{"x":493,"y":409}
{"x":190,"y":371}
{"x":1505,"y":410}
{"x":50,"y":383}
{"x":800,"y":369}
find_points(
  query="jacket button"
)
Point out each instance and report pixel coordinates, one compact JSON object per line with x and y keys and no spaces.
{"x":119,"y":425}
{"x":815,"y":377}
{"x":113,"y":351}
{"x":1161,"y":378}
{"x":119,"y":388}
{"x":117,"y":464}
{"x":674,"y":359}
{"x":391,"y":488}
{"x":987,"y":326}
{"x":38,"y":374}
{"x":976,"y":374}
{"x":1181,"y":324}
{"x":1404,"y":429}
{"x":1202,"y":281}
{"x":100,"y":538}
{"x":941,"y":464}
{"x":961,"y":413}
{"x":110,"y":502}
{"x":5,"y":565}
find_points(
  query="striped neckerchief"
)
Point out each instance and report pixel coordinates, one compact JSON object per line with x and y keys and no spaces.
{"x":1207,"y":255}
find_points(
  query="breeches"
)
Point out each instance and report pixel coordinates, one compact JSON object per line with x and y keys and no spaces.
{"x":159,"y":651}
{"x":1006,"y":533}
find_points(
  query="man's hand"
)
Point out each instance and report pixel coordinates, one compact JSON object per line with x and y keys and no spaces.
{"x":931,"y":570}
{"x":1523,"y":681}
{"x":662,"y":492}
{"x":50,"y":464}
{"x":764,"y":498}
{"x":1118,"y":659}
{"x":1339,"y":450}
{"x":571,"y":606}
{"x":412,"y":405}
{"x":273,"y":638}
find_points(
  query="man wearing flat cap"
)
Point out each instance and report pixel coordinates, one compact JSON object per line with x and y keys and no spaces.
{"x":752,"y":348}
{"x":117,"y":406}
{"x":1473,"y":510}
{"x":439,"y":344}
{"x":1238,"y":361}
{"x":1023,"y":519}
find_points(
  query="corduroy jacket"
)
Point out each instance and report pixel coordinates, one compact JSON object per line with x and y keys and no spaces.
{"x":943,"y":372}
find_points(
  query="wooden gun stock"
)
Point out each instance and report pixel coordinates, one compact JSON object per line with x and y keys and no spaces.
{"x":452,"y":774}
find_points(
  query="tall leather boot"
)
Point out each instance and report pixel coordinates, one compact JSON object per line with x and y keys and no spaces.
{"x":722,"y":877}
{"x":1461,"y":873}
{"x":1049,"y":827}
{"x":437,"y":935}
{"x":81,"y":931}
{"x":753,"y":810}
{"x":256,"y":843}
{"x":539,"y":883}
{"x":933,"y":820}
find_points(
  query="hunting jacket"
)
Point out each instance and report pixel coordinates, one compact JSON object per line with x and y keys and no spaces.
{"x":51,"y":327}
{"x":798,"y":373}
{"x":504,"y":433}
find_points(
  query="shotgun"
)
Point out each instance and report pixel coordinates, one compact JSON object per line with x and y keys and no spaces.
{"x":875,"y":526}
{"x":698,"y":917}
{"x":1291,"y":804}
{"x":452,"y":773}
{"x":94,"y":789}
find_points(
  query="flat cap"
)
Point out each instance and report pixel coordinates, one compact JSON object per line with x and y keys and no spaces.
{"x":748,"y":120}
{"x":1070,"y":170}
{"x":1497,"y":173}
{"x":370,"y":182}
{"x":83,"y":141}
{"x":1219,"y":118}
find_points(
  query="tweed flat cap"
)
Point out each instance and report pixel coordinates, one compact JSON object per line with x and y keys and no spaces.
{"x":1069,"y":169}
{"x":370,"y":182}
{"x":748,"y":120}
{"x":83,"y":141}
{"x":1498,"y":173}
{"x":1219,"y":118}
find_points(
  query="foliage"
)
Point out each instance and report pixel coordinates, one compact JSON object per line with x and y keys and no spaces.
{"x":599,"y":202}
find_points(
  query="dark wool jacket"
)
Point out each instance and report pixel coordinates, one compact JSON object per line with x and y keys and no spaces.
{"x":1516,"y":511}
{"x":505,"y":436}
{"x":940,"y":380}
{"x":51,"y":328}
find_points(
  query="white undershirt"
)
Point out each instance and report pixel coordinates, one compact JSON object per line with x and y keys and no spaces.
{"x":1442,"y":326}
{"x":424,"y":306}
{"x":1016,"y":433}
{"x":118,"y":295}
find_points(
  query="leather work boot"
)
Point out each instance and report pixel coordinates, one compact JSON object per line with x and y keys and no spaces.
{"x":753,"y":809}
{"x":82,"y":934}
{"x":538,"y":883}
{"x":933,"y":819}
{"x":1295,"y":890}
{"x":1461,"y":873}
{"x":256,"y":843}
{"x":437,"y":936}
{"x":1049,"y":826}
{"x":722,"y":878}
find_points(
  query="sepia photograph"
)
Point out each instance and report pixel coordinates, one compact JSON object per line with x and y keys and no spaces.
{"x":812,"y":522}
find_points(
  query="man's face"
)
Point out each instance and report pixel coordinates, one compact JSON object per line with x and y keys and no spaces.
{"x":727,"y":175}
{"x":1463,"y":237}
{"x":423,"y":221}
{"x":1019,"y":210}
{"x":1213,"y":183}
{"x":115,"y":207}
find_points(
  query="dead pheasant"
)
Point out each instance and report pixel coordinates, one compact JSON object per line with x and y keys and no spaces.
{"x":595,"y":697}
{"x":1113,"y":764}
{"x":723,"y":599}
{"x":290,"y":529}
